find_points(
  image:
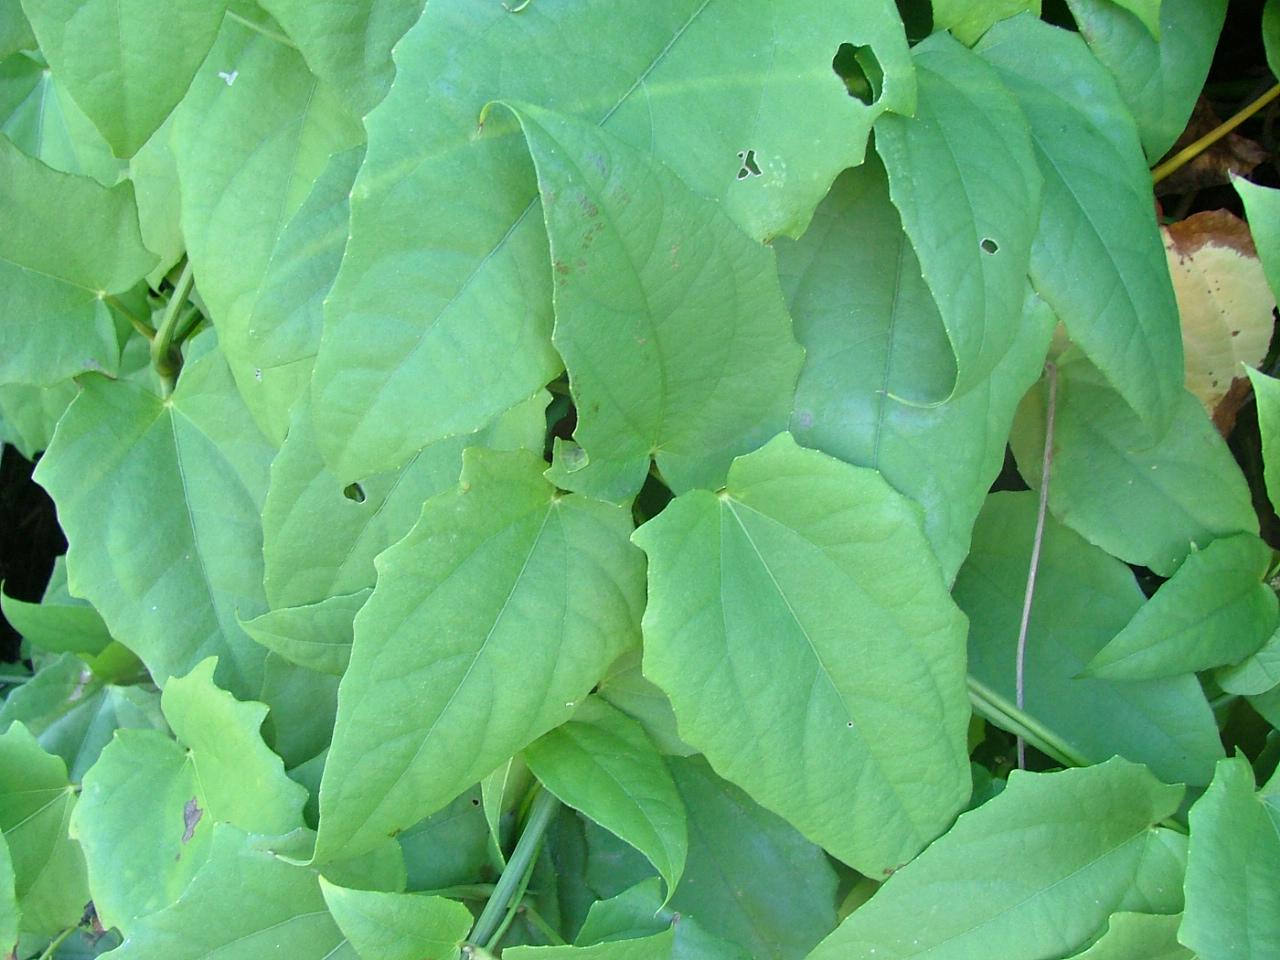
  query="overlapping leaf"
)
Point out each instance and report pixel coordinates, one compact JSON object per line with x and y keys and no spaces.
{"x":800,"y":626}
{"x":383,"y":925}
{"x":491,"y":619}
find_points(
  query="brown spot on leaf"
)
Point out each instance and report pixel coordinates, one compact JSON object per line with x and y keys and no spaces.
{"x":191,"y":814}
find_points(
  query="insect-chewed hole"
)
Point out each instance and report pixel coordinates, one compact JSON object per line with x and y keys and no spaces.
{"x":749,"y":166}
{"x":860,"y":70}
{"x":354,"y":492}
{"x":988,"y":245}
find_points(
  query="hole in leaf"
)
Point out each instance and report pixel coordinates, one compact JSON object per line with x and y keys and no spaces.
{"x":749,"y":166}
{"x":988,"y":245}
{"x":354,"y":492}
{"x":861,"y":72}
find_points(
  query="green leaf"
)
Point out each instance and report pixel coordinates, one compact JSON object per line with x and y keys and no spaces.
{"x":42,"y":121}
{"x":1065,"y":846}
{"x":1148,"y":503}
{"x":627,"y":688}
{"x":1266,"y":390}
{"x":29,"y":414}
{"x":1271,"y":35}
{"x":10,"y":916}
{"x":1262,"y":207}
{"x":149,"y":805}
{"x":253,"y":141}
{"x":602,"y":763}
{"x":69,"y":627}
{"x":153,"y":170}
{"x":348,"y":45}
{"x":1159,"y":73}
{"x":698,"y":363}
{"x":1233,"y":869}
{"x":1082,"y":599}
{"x":69,"y":243}
{"x":1215,"y":610}
{"x":160,"y":500}
{"x":1097,"y":219}
{"x":245,"y":903}
{"x":1139,"y":936}
{"x":491,"y":619}
{"x":970,"y":19}
{"x":36,"y":801}
{"x":872,"y":334}
{"x":127,"y":63}
{"x":449,"y":847}
{"x":639,"y":912}
{"x":441,"y":313}
{"x":963,"y":175}
{"x":1256,"y":674}
{"x":320,"y":535}
{"x":317,"y":636}
{"x":15,"y":31}
{"x":397,"y":926}
{"x":303,"y":705}
{"x":657,"y":947}
{"x":801,"y":628}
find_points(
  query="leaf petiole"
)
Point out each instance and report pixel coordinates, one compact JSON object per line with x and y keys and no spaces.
{"x":165,"y":356}
{"x":511,"y":885}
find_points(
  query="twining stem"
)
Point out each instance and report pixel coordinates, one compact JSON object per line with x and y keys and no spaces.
{"x":259,"y":28}
{"x":165,"y":356}
{"x":1193,"y":150}
{"x":538,"y":923}
{"x":995,"y":708}
{"x":515,"y":878}
{"x":1046,"y":465}
{"x":139,"y":324}
{"x":56,"y":942}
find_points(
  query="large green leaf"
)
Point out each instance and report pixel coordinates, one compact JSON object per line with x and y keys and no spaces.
{"x":1215,"y":610}
{"x":148,"y":807}
{"x":627,"y":688}
{"x":68,"y":243}
{"x":1146,"y":503}
{"x":70,"y":626}
{"x":872,"y":334}
{"x":36,"y":801}
{"x":441,"y":313}
{"x":602,"y":763}
{"x":1233,"y":869}
{"x":9,"y":912}
{"x":656,"y":947}
{"x":639,"y":912}
{"x":1139,"y":936}
{"x":127,"y":63}
{"x":264,"y":212}
{"x":963,"y":175}
{"x":697,"y":363}
{"x":397,"y":926}
{"x":970,"y":19}
{"x":1082,"y":599}
{"x":245,"y":903}
{"x":1097,"y":219}
{"x":1054,"y":855}
{"x":15,"y":31}
{"x":491,"y":619}
{"x":159,"y":500}
{"x":1159,"y":79}
{"x":348,"y":44}
{"x":799,"y":623}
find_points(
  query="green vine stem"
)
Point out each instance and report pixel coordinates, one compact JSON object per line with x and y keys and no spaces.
{"x":165,"y":356}
{"x":511,"y":885}
{"x":138,"y":323}
{"x":991,"y":706}
{"x":56,"y":942}
{"x":1193,"y":150}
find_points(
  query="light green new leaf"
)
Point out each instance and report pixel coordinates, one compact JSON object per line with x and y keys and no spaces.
{"x":602,"y":763}
{"x":42,"y":121}
{"x":441,"y":314}
{"x":872,"y":333}
{"x":348,"y":43}
{"x":696,"y":363}
{"x":1233,"y":869}
{"x":1055,"y":854}
{"x":1215,"y":610}
{"x":1148,"y":503}
{"x":148,"y":807}
{"x":1139,"y":936}
{"x":1262,"y":207}
{"x":74,"y":715}
{"x":160,"y":501}
{"x":491,"y":619}
{"x":1097,"y":219}
{"x":1083,"y":598}
{"x":970,"y":19}
{"x":1256,"y":674}
{"x":963,"y":175}
{"x":1159,"y":74}
{"x":72,"y":626}
{"x":68,"y":242}
{"x":263,"y":209}
{"x":10,"y":916}
{"x":320,"y":535}
{"x":153,"y":170}
{"x":397,"y":926}
{"x":317,"y":636}
{"x":36,"y":801}
{"x":245,"y":903}
{"x":799,"y":623}
{"x":127,"y":63}
{"x":657,"y":947}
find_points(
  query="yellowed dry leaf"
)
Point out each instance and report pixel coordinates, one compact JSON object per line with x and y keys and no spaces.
{"x":1224,"y":300}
